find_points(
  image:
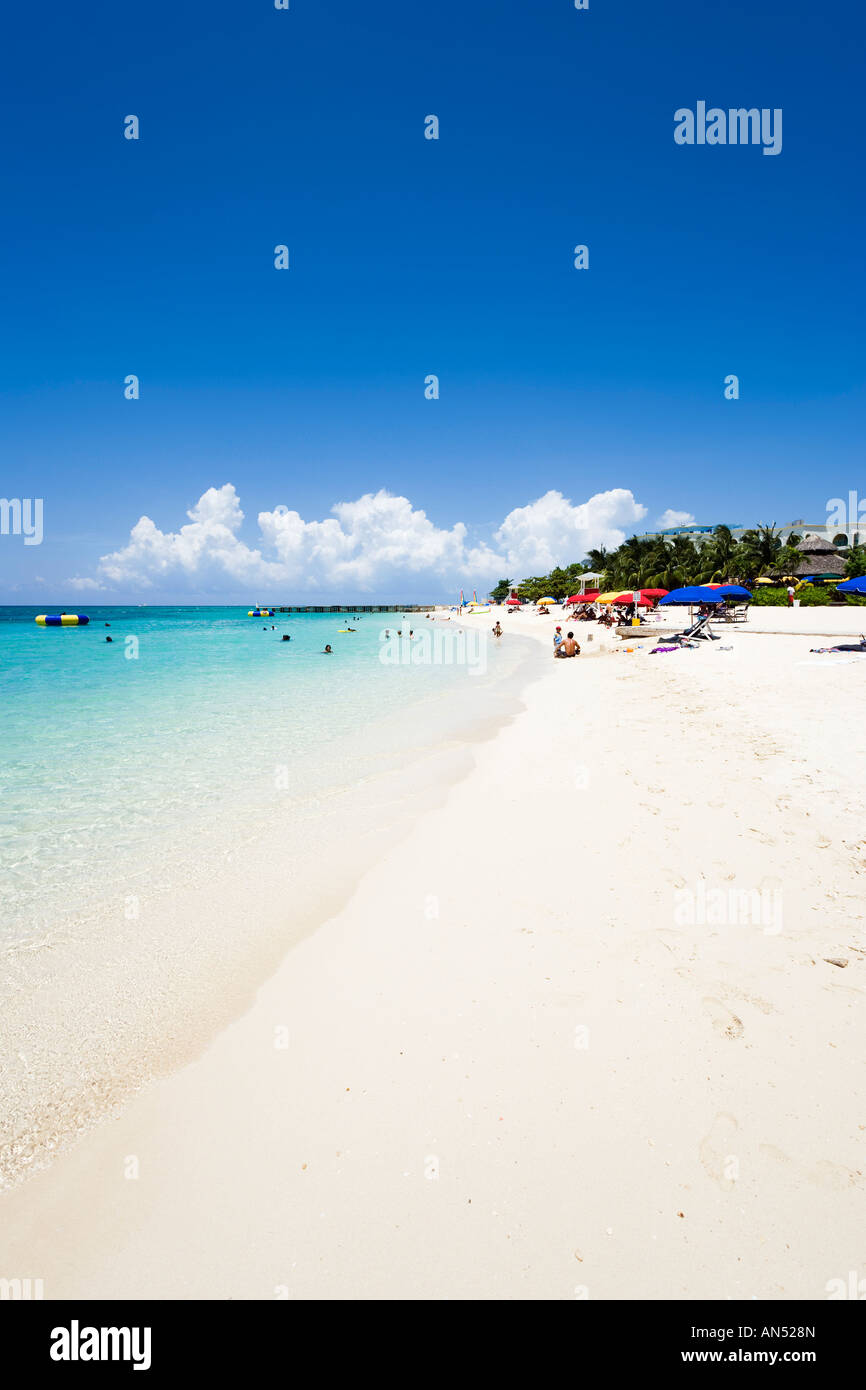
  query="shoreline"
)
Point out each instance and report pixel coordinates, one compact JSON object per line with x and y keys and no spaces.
{"x":103,"y":1005}
{"x":510,"y":1069}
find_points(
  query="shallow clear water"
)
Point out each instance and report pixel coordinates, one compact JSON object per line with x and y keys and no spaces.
{"x":112,"y":755}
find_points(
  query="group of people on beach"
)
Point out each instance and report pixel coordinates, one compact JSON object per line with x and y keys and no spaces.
{"x":605,"y":614}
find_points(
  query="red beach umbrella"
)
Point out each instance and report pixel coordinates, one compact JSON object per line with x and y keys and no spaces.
{"x":647,"y":597}
{"x":589,"y":597}
{"x":642,"y":602}
{"x":512,"y":603}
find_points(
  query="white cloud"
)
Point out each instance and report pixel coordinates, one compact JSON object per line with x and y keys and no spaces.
{"x":376,"y":542}
{"x":674,"y":518}
{"x":553,"y":532}
{"x":206,"y":551}
{"x":369,"y":542}
{"x":83,"y":584}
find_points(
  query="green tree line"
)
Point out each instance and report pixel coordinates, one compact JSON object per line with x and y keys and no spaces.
{"x":669,"y":562}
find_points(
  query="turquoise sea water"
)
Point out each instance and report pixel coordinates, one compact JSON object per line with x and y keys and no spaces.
{"x":115,"y":756}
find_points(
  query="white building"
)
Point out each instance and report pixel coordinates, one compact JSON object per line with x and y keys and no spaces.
{"x":802,"y":528}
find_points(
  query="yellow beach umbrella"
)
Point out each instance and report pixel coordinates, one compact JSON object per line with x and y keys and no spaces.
{"x":609,"y":596}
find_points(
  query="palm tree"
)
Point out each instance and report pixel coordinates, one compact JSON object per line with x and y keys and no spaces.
{"x":855,"y":565}
{"x":787,"y":559}
{"x":762,"y":544}
{"x":720,"y":554}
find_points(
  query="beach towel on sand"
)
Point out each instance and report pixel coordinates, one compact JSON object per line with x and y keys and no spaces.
{"x":843,"y":647}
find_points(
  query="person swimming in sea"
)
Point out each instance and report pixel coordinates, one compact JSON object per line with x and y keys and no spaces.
{"x":286,"y":637}
{"x":327,"y":651}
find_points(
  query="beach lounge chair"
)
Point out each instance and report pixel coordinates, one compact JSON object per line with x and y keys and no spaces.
{"x":700,"y":628}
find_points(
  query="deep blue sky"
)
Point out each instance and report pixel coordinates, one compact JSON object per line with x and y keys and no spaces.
{"x":409,"y":257}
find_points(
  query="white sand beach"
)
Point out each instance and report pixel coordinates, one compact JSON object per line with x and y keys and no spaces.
{"x":546,"y":1050}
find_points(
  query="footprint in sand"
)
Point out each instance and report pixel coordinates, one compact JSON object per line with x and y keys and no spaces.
{"x":824,"y":1173}
{"x":717,"y":1152}
{"x":755,"y":1000}
{"x":726,"y":1024}
{"x":761,"y":835}
{"x":672,"y":941}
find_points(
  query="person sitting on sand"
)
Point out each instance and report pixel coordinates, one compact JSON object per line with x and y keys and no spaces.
{"x":569,"y":647}
{"x":557,"y":641}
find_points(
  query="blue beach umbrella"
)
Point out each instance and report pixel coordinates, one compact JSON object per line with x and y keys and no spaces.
{"x":853,"y":586}
{"x":733,"y":591}
{"x":693,"y":593}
